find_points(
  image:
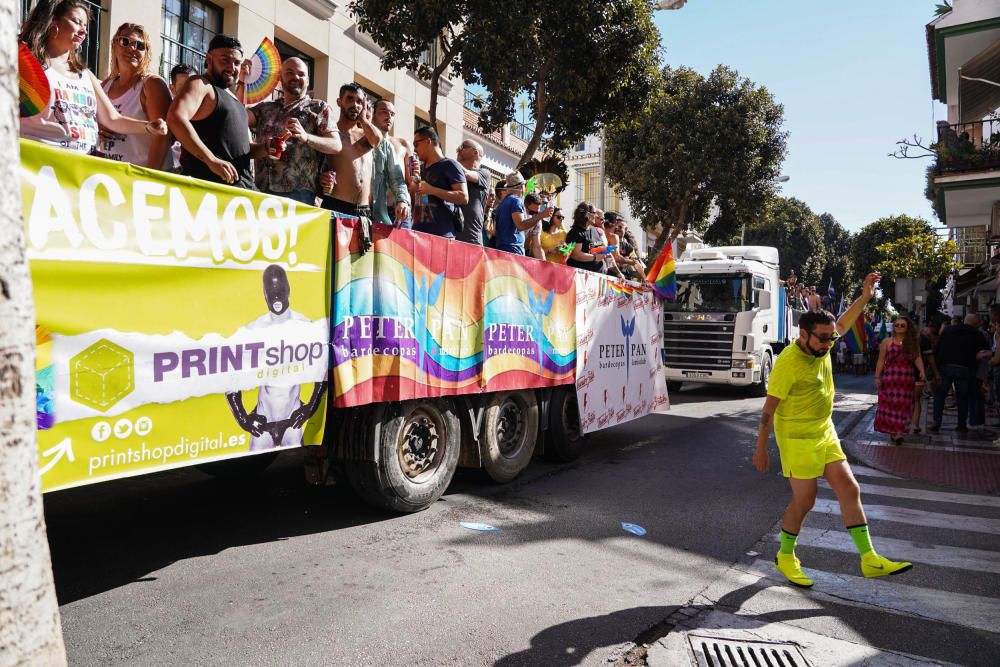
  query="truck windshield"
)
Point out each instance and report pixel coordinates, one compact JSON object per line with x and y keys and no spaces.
{"x":725,"y":293}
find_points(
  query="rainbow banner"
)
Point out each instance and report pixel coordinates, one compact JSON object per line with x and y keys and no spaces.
{"x":663,"y":274}
{"x":418,"y":316}
{"x":857,"y":336}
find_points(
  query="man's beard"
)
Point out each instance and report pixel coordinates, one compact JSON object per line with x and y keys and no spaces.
{"x":819,"y":354}
{"x":297,"y":91}
{"x":221,"y":80}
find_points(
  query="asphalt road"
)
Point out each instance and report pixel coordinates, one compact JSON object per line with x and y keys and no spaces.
{"x":180,"y":568}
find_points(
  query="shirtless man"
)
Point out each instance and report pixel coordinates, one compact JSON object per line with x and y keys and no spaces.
{"x":353,"y":164}
{"x":278,"y":419}
{"x":210,"y":123}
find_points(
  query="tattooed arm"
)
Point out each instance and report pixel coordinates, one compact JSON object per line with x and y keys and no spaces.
{"x":761,"y":459}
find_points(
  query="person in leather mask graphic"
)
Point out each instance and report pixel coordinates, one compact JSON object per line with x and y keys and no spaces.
{"x":279,"y":416}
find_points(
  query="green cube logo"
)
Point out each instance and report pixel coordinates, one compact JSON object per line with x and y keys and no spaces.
{"x":101,"y":375}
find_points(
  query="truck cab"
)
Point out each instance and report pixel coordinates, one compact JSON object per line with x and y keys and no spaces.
{"x":729,"y":320}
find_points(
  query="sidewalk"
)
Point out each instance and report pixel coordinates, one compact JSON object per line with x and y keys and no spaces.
{"x":970,"y":462}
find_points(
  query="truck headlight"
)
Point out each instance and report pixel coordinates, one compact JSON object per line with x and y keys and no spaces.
{"x":743,"y":363}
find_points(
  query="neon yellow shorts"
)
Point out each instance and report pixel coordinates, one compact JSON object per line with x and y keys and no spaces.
{"x":806,"y":458}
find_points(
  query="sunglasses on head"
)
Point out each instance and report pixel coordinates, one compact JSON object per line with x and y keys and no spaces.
{"x":137,"y":44}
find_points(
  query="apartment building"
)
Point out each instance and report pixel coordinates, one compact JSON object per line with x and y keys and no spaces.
{"x":963,"y":48}
{"x":321,"y":32}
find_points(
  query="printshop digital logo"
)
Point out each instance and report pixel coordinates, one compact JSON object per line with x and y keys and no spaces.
{"x":101,"y":375}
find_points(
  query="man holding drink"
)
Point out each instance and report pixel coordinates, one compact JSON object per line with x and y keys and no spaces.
{"x":295,"y":134}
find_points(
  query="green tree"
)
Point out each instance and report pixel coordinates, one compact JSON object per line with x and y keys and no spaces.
{"x":866,"y":244}
{"x":791,"y":227}
{"x":406,"y":29}
{"x":697,"y":138}
{"x":579,"y":69}
{"x":921,"y":255}
{"x":837,"y":249}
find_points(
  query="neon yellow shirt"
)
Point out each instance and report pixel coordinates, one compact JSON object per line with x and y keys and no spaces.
{"x":804,"y":384}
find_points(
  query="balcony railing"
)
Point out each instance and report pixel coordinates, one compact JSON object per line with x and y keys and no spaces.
{"x":522,"y":131}
{"x":471,"y":100}
{"x":968,"y":146}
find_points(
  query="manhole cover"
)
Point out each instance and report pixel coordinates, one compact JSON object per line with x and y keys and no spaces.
{"x":721,"y":652}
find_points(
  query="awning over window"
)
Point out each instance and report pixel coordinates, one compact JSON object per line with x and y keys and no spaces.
{"x":979,"y":85}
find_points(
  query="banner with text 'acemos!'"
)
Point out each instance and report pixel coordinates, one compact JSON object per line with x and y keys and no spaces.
{"x":178,"y":321}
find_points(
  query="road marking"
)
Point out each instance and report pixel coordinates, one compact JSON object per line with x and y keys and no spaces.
{"x":871,"y":472}
{"x":970,"y":611}
{"x":976,"y":560}
{"x":921,"y":494}
{"x":917,"y":517}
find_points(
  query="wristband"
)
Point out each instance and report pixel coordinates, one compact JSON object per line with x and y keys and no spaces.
{"x":146,"y":127}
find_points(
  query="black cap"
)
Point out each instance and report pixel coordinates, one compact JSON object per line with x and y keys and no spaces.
{"x":610,"y":217}
{"x":224,"y":41}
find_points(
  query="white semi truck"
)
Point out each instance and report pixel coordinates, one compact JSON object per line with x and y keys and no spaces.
{"x":730,"y":320}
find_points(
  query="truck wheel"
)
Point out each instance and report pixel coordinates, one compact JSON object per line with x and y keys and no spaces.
{"x":243,"y":467}
{"x":566,"y":438}
{"x":674,"y":386}
{"x":765,"y":377}
{"x":510,"y":428}
{"x":418,"y":453}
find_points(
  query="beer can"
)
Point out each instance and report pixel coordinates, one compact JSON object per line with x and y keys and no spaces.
{"x":327,"y":188}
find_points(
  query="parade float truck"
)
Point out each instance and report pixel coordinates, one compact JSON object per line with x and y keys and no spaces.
{"x":183,"y":323}
{"x":730,"y":319}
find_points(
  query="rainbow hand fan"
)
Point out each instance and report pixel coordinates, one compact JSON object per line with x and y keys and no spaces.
{"x":32,"y":82}
{"x":265,"y":65}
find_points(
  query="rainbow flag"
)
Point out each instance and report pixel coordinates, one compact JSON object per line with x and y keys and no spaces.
{"x":663,"y":274}
{"x":857,"y":336}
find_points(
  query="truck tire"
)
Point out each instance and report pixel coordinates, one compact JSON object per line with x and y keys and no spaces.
{"x":244,"y":467}
{"x":566,"y":439}
{"x":674,"y":386}
{"x":510,"y":429}
{"x":418,"y":449}
{"x":765,"y":377}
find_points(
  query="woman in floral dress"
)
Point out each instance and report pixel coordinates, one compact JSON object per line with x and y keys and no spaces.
{"x":899,"y":373}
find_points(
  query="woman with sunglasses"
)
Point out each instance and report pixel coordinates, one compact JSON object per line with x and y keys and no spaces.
{"x":554,"y":237}
{"x":54,"y":32}
{"x":898,"y":356}
{"x":135,"y":92}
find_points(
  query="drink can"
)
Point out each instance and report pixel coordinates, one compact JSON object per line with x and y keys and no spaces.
{"x":275,"y":148}
{"x":412,"y":165}
{"x":328,"y":187}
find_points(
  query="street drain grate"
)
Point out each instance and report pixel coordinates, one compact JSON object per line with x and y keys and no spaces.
{"x":720,"y":652}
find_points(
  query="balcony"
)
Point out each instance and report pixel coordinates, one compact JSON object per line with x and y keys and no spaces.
{"x":966,"y":147}
{"x":513,"y":138}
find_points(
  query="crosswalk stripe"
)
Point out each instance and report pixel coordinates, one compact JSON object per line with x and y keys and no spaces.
{"x":917,"y":517}
{"x":888,"y":594}
{"x":922,"y":494}
{"x":864,"y":471}
{"x":962,"y":558}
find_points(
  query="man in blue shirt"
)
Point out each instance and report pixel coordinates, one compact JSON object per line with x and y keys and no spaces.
{"x":443,"y":186}
{"x":517,"y":214}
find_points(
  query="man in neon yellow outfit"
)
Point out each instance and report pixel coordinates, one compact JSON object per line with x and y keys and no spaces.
{"x":799,"y":405}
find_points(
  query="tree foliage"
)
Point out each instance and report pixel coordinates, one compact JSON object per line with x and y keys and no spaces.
{"x":866,"y":245}
{"x":698,"y":138}
{"x":791,"y":227}
{"x":405,"y":30}
{"x":919,"y":256}
{"x":837,"y":248}
{"x":578,"y":68}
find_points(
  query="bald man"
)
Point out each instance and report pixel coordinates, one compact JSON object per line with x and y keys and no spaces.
{"x":479,"y":182}
{"x":309,"y":131}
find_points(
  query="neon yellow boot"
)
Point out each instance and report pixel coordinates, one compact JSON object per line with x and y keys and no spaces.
{"x":873,"y":565}
{"x":791,"y":567}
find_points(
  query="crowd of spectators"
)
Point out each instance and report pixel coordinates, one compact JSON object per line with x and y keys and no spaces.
{"x":342,"y":157}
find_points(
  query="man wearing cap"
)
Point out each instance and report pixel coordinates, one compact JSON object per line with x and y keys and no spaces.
{"x":511,"y":219}
{"x":210,"y":123}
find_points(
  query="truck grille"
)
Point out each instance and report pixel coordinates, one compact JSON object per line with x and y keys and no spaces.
{"x":697,"y":344}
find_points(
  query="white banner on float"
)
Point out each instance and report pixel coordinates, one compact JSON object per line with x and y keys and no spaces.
{"x":619,"y":371}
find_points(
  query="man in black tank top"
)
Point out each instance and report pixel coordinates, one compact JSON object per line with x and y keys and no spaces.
{"x":211,"y":123}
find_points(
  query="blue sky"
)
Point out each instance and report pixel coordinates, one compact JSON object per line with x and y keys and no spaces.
{"x":853,"y":79}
